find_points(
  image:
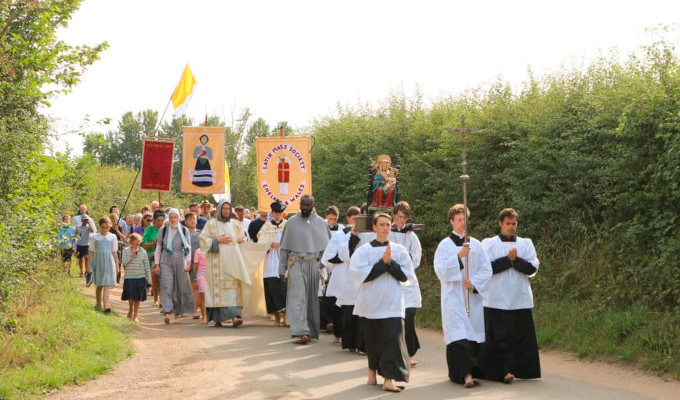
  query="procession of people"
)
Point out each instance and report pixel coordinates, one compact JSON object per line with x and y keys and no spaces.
{"x":315,"y":275}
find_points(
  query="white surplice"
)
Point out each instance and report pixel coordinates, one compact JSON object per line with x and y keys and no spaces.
{"x":510,"y":289}
{"x":455,"y":321}
{"x":382,"y":297}
{"x":411,"y":288}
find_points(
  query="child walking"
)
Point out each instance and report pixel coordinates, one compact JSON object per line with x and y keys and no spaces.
{"x":137,"y":275}
{"x":103,"y":262}
{"x":199,"y":267}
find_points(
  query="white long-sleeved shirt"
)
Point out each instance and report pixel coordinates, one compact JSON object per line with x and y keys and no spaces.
{"x":510,"y":289}
{"x":455,"y":321}
{"x":410,"y":241}
{"x":383,"y":296}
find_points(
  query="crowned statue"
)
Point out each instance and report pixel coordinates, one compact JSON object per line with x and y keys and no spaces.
{"x":384,"y":188}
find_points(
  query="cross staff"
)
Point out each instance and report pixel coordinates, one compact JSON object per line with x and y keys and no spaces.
{"x":465,"y":178}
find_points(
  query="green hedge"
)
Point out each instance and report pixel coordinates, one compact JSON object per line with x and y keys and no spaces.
{"x":589,"y":157}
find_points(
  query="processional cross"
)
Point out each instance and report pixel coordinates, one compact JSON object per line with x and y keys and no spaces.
{"x":465,"y":178}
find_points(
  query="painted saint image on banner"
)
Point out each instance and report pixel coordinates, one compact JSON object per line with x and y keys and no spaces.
{"x":283,"y":168}
{"x":202,"y":175}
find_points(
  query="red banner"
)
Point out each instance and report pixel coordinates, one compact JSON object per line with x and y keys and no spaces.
{"x":157,"y":165}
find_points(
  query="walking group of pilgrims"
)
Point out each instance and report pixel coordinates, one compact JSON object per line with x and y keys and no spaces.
{"x":317,"y":275}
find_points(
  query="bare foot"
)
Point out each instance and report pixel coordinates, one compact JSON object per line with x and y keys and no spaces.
{"x":508,"y":378}
{"x":304,"y":339}
{"x":336,"y":341}
{"x":329,"y":327}
{"x":388,"y":386}
{"x":469,"y":382}
{"x":136,"y":320}
{"x":236,"y":322}
{"x":412,"y":362}
{"x":176,"y":320}
{"x":204,"y":321}
{"x":167,"y":319}
{"x":371,"y":377}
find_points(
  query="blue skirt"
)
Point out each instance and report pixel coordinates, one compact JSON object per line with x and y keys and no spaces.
{"x":134,"y":289}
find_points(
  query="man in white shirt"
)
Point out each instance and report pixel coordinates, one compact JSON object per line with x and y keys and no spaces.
{"x":380,"y":267}
{"x":463,"y":333}
{"x":240,"y":215}
{"x":274,"y":285}
{"x":330,"y":311}
{"x":412,"y":297}
{"x":510,"y":350}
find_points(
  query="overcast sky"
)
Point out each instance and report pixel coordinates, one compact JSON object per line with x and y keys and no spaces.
{"x":295,"y":60}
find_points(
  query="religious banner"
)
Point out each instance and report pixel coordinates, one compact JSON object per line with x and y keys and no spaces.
{"x":203,"y":160}
{"x":284,"y":171}
{"x":157,"y":165}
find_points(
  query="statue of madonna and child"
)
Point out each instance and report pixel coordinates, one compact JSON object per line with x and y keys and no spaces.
{"x":384,"y":189}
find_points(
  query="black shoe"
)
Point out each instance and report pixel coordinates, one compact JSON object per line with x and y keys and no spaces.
{"x":107,"y":311}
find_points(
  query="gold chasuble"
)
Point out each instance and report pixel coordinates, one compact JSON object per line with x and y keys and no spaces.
{"x":233,"y":274}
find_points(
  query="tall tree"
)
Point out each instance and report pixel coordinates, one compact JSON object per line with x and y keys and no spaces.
{"x":34,"y":66}
{"x":124,"y":145}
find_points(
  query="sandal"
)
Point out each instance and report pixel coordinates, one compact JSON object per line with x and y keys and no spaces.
{"x":167,"y":319}
{"x":196,"y":316}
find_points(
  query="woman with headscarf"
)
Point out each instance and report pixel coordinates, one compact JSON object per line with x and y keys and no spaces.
{"x":225,"y":267}
{"x":173,"y":250}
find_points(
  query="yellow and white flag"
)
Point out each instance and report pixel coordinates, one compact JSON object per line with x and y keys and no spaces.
{"x":227,"y":186}
{"x":183,"y":92}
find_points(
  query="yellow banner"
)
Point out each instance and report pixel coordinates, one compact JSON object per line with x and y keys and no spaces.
{"x":284,"y":171}
{"x":203,"y":160}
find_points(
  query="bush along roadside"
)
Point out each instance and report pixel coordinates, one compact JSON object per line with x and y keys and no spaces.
{"x":51,"y":336}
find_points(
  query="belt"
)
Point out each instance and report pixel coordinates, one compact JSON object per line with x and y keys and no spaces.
{"x":293,"y":259}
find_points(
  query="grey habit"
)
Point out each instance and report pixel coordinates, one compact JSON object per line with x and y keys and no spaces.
{"x":303,"y":242}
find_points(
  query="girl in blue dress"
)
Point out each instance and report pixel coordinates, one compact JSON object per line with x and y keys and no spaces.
{"x":104,"y":262}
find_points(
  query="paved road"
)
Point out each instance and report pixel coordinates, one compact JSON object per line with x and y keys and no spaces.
{"x":259,"y":361}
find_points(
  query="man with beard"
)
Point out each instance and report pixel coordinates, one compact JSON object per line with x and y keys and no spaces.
{"x":305,"y":237}
{"x":226,"y":271}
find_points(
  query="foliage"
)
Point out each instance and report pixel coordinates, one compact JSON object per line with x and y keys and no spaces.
{"x":590,"y":158}
{"x":34,"y":65}
{"x":51,"y":336}
{"x":635,"y":335}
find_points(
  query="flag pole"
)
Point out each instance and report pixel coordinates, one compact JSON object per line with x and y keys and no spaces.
{"x":157,"y":132}
{"x":122,"y":211}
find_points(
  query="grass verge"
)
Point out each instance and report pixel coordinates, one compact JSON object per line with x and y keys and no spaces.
{"x":639,"y":337}
{"x":51,"y":336}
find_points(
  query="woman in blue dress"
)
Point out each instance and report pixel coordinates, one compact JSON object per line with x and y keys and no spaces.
{"x":104,"y":262}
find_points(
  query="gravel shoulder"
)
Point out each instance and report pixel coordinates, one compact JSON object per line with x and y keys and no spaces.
{"x":259,"y":361}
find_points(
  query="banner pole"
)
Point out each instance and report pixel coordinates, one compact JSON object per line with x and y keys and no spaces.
{"x":122,"y":211}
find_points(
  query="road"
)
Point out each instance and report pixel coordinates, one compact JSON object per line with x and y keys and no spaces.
{"x":259,"y":361}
